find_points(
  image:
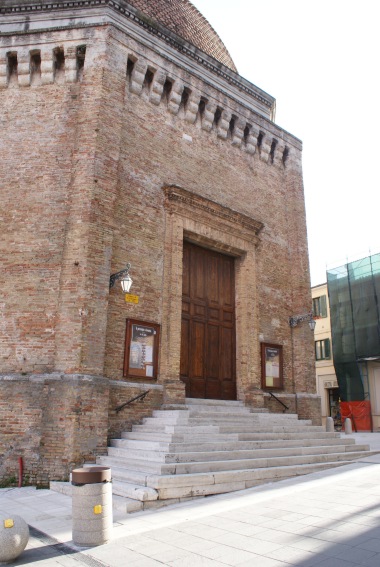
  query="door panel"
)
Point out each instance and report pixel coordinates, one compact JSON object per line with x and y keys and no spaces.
{"x":208,"y":324}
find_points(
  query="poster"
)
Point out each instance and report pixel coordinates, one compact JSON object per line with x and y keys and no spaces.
{"x":271,"y":366}
{"x":141,"y":349}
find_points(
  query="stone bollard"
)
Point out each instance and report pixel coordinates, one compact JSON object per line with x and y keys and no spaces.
{"x":92,"y":506}
{"x":347,"y":426}
{"x":14,"y":536}
{"x":329,"y":424}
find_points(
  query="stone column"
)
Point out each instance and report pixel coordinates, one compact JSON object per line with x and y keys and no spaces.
{"x":174,"y":389}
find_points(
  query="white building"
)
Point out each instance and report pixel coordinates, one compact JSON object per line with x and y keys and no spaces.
{"x":327,"y":384}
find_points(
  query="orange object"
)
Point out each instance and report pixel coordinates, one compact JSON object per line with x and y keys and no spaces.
{"x":359,"y":413}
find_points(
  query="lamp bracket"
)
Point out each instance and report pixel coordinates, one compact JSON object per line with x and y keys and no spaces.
{"x":293,"y":321}
{"x":116,"y":277}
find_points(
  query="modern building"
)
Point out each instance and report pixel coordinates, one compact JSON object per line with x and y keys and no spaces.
{"x":128,"y":137}
{"x":354,"y":294}
{"x":327,"y":384}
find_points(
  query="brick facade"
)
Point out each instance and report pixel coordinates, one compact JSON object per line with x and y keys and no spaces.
{"x":117,"y":144}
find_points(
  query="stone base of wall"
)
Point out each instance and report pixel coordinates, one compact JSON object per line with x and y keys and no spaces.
{"x":54,"y":422}
{"x":122,"y":418}
{"x":271,"y":404}
{"x":307,"y":406}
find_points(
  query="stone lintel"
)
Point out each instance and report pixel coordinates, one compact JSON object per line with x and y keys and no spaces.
{"x":180,"y":200}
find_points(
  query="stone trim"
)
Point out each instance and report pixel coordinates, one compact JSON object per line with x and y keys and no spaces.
{"x":139,"y":385}
{"x":54,"y":376}
{"x":180,"y":201}
{"x":193,"y":217}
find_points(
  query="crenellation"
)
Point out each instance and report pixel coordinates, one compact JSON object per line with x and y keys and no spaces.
{"x":238,"y":131}
{"x":251,"y":139}
{"x":278,"y":154}
{"x":138,"y":76}
{"x":223,"y":125}
{"x":192,"y":107}
{"x":175,"y":97}
{"x":157,"y":88}
{"x":207,"y":117}
{"x":45,"y":64}
{"x":23,"y":67}
{"x":3,"y":71}
{"x":47,"y":67}
{"x":41,"y":65}
{"x":265,"y":148}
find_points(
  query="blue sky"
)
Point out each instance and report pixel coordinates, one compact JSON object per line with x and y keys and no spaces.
{"x":320,"y":60}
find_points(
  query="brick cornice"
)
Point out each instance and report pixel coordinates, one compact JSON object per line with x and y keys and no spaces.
{"x":20,"y":7}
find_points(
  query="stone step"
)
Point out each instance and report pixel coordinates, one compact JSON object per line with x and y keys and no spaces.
{"x":170,"y":486}
{"x":225,"y":403}
{"x":243,"y":416}
{"x":126,"y":505}
{"x":167,"y":428}
{"x":121,"y":473}
{"x":118,"y":458}
{"x":285,"y":434}
{"x":234,"y":410}
{"x":133,"y":491}
{"x":179,"y":456}
{"x":170,"y":437}
{"x":242,"y":433}
{"x":168,"y":468}
{"x":225,"y":436}
{"x":161,"y":456}
{"x":203,"y":418}
{"x":211,"y":447}
{"x":202,"y":426}
{"x":229,"y":445}
{"x":213,"y":466}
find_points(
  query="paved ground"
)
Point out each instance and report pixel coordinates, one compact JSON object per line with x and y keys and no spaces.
{"x":326,"y":519}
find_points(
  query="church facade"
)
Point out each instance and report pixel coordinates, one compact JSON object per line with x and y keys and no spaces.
{"x":128,"y":137}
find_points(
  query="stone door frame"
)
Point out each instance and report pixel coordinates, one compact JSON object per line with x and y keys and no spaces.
{"x":191,"y":217}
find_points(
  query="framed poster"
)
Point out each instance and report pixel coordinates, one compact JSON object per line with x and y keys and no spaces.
{"x":141,"y":349}
{"x":271,"y":367}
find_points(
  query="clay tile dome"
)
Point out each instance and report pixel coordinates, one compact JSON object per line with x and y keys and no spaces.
{"x":181,"y":17}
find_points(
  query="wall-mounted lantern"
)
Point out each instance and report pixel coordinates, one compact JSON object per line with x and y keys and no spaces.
{"x":293,"y":321}
{"x":124,"y":277}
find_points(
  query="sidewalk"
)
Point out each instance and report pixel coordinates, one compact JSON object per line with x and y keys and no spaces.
{"x":326,"y":519}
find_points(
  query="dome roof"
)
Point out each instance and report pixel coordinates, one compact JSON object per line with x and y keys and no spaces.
{"x":181,"y":17}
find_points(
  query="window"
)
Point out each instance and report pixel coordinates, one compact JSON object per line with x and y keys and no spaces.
{"x":320,"y":306}
{"x":322,"y":349}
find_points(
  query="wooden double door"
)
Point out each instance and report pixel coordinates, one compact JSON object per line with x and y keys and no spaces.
{"x":208,"y":324}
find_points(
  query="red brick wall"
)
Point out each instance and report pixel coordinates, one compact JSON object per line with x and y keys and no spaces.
{"x":54,"y":423}
{"x":133,"y":413}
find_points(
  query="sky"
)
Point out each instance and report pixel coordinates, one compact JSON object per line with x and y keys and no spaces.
{"x":321,"y":61}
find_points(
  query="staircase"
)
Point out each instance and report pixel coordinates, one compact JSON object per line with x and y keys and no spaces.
{"x":214,"y":447}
